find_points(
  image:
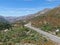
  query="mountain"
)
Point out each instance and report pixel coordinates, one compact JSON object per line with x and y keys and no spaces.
{"x":36,"y":14}
{"x":2,"y":19}
{"x":11,"y":19}
{"x":27,"y":17}
{"x":50,"y":18}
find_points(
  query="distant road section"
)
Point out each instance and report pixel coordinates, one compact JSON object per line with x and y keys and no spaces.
{"x":50,"y":36}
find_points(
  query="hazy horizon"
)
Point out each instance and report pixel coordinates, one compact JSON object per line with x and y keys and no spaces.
{"x":25,"y":7}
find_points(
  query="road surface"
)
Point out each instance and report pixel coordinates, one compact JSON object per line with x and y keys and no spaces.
{"x":50,"y":36}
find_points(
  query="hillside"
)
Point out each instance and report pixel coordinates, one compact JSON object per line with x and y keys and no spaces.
{"x":4,"y":24}
{"x":23,"y":36}
{"x":49,"y":21}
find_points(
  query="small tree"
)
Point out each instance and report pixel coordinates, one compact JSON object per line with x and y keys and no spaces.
{"x":4,"y":26}
{"x":46,"y":27}
{"x":8,"y":26}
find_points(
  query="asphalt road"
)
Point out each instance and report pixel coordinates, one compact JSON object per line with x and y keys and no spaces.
{"x":50,"y":36}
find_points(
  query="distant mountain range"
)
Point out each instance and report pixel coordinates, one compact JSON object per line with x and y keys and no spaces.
{"x":11,"y":19}
{"x":48,"y":13}
{"x":2,"y":19}
{"x":27,"y":17}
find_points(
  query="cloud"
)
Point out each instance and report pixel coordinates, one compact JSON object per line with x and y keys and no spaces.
{"x":50,"y":0}
{"x":53,"y":0}
{"x":18,"y":11}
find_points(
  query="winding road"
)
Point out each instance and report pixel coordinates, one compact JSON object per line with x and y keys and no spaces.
{"x":50,"y":36}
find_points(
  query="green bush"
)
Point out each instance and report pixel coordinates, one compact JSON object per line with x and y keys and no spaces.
{"x":47,"y":27}
{"x":5,"y":26}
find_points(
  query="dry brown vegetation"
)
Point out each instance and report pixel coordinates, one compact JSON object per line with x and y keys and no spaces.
{"x":52,"y":18}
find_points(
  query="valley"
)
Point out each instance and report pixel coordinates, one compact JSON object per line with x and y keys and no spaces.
{"x":43,"y":30}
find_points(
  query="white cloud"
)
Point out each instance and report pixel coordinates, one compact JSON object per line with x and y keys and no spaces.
{"x":18,"y":11}
{"x":52,"y":0}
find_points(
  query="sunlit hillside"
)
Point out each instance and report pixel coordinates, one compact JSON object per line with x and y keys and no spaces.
{"x":49,"y":21}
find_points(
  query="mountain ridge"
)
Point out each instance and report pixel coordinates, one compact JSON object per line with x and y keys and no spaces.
{"x":51,"y":19}
{"x":27,"y":17}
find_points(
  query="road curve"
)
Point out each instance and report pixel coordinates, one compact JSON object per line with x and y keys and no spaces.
{"x":50,"y":36}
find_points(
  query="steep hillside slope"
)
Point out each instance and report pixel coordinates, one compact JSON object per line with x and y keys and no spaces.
{"x":49,"y":20}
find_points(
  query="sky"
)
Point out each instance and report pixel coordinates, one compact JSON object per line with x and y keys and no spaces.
{"x":25,"y":7}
